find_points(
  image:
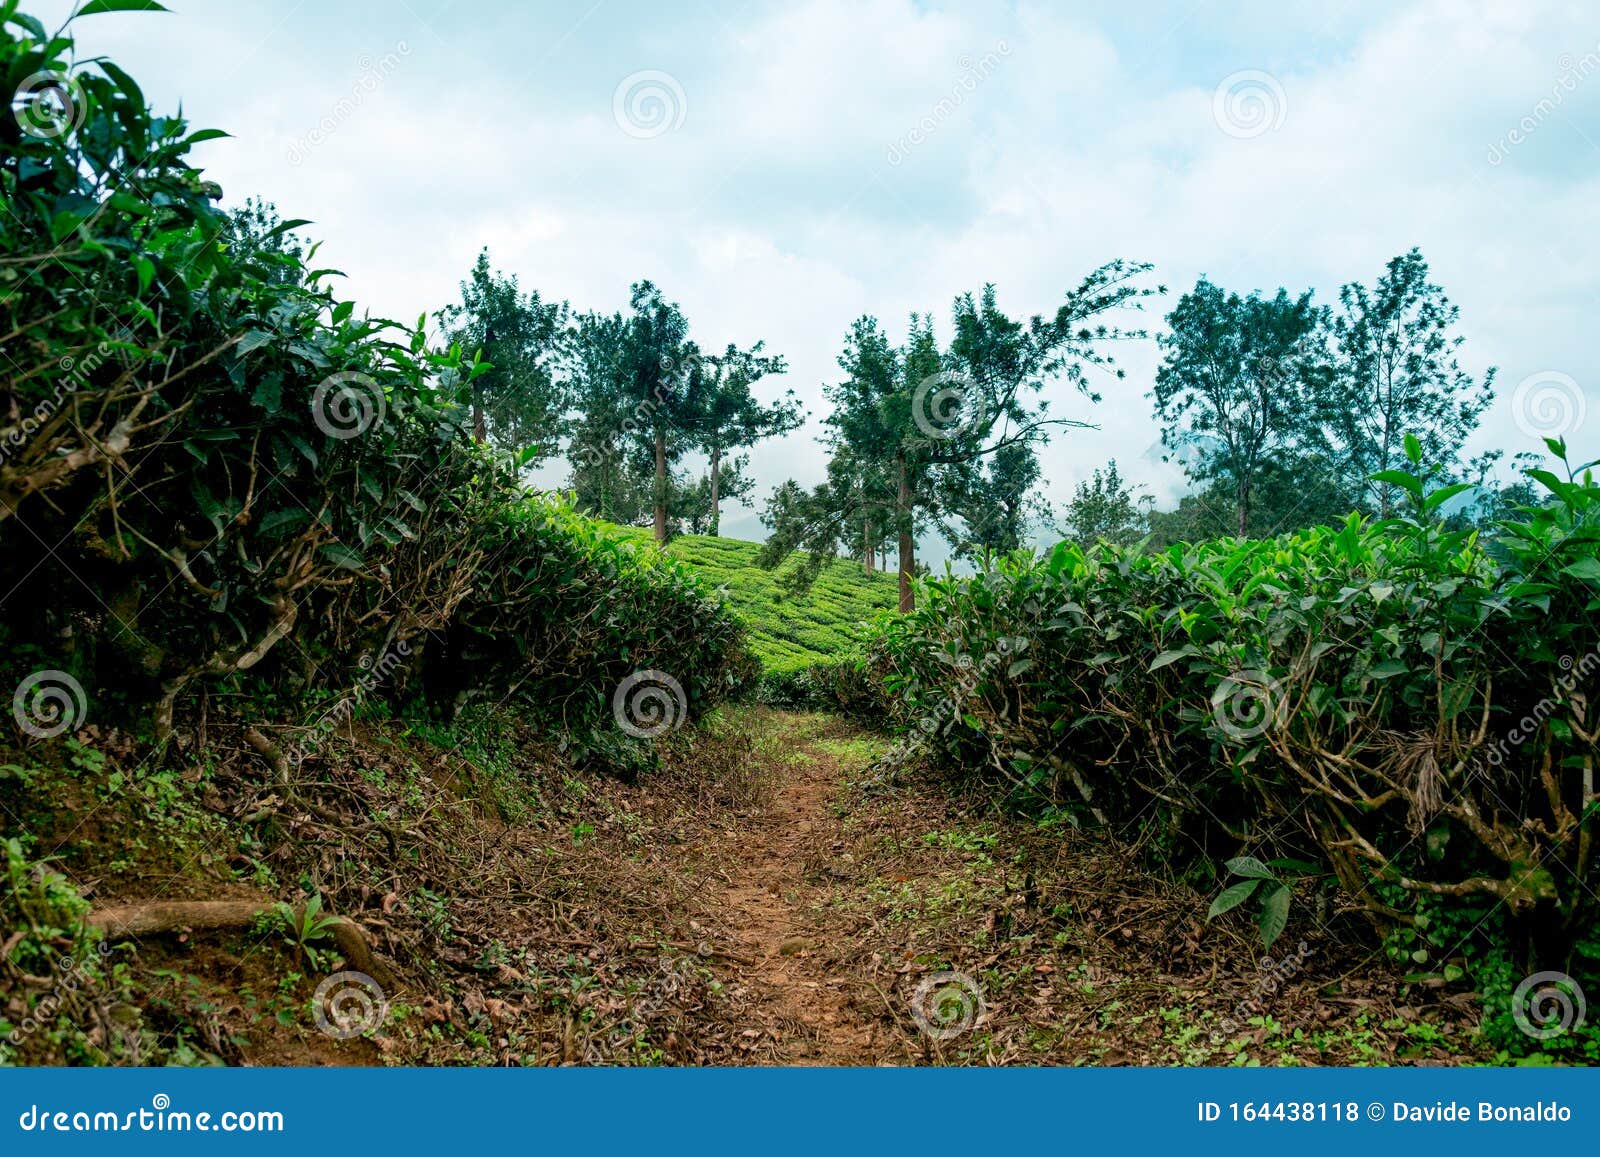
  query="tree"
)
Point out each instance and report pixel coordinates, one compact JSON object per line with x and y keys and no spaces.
{"x":989,"y":508}
{"x":1106,"y":508}
{"x":519,"y":403}
{"x":1293,"y":492}
{"x":932,"y":416}
{"x":728,"y":417}
{"x":1241,"y":386}
{"x":1398,"y":374}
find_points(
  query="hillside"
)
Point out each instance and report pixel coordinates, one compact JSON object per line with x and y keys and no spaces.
{"x":786,"y":631}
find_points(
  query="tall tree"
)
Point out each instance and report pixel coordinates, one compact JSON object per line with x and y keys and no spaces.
{"x":727,"y":417}
{"x":988,"y":507}
{"x":519,"y":402}
{"x":1241,"y":386}
{"x":603,"y":479}
{"x":1398,"y":374}
{"x":930,"y":416}
{"x":661,"y":388}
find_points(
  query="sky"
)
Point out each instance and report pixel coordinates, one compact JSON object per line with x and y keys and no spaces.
{"x":780,"y":170}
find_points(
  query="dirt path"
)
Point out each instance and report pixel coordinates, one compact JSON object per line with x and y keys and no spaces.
{"x":773,"y":891}
{"x":837,"y":901}
{"x":771,"y":895}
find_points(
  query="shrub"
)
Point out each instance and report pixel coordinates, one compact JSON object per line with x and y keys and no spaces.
{"x":212,"y":470}
{"x":1384,"y":697}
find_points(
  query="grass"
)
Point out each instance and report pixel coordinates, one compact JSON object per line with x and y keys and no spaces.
{"x":786,"y":631}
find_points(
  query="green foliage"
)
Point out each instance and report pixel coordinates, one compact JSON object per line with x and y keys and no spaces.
{"x":303,"y":927}
{"x":922,"y":436}
{"x":787,"y":631}
{"x":1106,"y":508}
{"x":1387,"y":698}
{"x":213,"y":470}
{"x":518,"y":399}
{"x":1258,"y":880}
{"x":1239,"y":385}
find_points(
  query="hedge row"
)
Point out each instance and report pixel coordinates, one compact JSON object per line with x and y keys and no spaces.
{"x":214,"y":473}
{"x":1392,"y":702}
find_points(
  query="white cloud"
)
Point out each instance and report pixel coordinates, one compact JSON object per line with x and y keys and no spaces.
{"x":773,"y":212}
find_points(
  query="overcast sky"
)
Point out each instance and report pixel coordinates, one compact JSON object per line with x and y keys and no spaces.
{"x":780,"y":170}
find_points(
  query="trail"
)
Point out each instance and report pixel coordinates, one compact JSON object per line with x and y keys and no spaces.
{"x":839,"y":897}
{"x":776,"y":871}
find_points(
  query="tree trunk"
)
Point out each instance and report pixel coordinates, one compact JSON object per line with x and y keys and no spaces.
{"x":716,"y":490}
{"x":661,"y":484}
{"x":866,"y":544}
{"x":480,"y":425}
{"x":1244,"y":508}
{"x":908,"y":543}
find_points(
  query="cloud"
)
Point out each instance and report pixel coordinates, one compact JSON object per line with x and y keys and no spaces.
{"x":774,"y":210}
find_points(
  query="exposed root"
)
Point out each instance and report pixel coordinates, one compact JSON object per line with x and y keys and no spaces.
{"x":159,"y":917}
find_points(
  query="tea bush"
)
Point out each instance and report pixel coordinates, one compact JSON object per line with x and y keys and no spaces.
{"x":1384,"y":698}
{"x":215,"y":473}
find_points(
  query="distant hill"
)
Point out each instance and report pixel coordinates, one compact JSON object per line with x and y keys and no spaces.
{"x":786,"y":631}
